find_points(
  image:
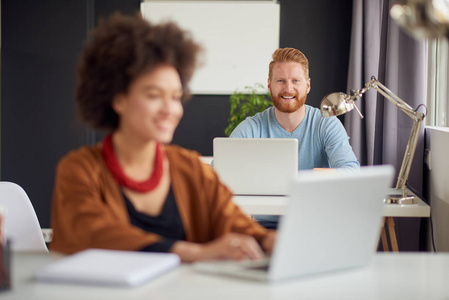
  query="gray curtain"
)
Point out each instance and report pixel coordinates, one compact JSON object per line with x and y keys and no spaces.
{"x":380,"y":48}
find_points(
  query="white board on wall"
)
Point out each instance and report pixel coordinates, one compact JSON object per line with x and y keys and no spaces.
{"x":238,"y":37}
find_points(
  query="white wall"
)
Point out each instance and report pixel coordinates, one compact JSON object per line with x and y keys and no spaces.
{"x":238,"y":37}
{"x":438,"y":145}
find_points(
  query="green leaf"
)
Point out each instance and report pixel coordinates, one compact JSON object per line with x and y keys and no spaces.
{"x":246,"y":104}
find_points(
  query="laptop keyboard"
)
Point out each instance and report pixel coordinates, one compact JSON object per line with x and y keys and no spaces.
{"x":259,"y":265}
{"x":259,"y":268}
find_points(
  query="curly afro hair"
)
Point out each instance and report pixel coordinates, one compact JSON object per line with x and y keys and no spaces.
{"x":120,"y":49}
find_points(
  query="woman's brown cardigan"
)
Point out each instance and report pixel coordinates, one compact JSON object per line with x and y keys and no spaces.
{"x":89,"y":211}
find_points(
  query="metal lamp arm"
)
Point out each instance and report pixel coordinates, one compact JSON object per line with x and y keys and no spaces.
{"x":413,"y":139}
{"x":398,"y":102}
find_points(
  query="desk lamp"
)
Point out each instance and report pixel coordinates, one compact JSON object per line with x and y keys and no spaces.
{"x":336,"y":104}
{"x":422,"y":18}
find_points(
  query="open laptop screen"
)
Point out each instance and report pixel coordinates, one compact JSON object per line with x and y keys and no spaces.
{"x":261,"y":166}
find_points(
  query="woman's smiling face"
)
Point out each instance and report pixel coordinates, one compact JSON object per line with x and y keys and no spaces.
{"x":152,"y":108}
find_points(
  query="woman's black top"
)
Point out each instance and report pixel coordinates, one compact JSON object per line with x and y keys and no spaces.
{"x":168,"y":224}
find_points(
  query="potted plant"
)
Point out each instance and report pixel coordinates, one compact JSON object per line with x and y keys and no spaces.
{"x":246,"y":104}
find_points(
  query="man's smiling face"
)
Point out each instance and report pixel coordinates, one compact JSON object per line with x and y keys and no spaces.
{"x":288,"y":86}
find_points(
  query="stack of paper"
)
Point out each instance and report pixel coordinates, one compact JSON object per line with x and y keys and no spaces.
{"x":108,"y":267}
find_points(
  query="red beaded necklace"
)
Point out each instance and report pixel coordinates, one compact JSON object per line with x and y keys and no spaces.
{"x":120,"y":176}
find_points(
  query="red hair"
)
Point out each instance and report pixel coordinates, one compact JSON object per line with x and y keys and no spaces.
{"x":289,"y":55}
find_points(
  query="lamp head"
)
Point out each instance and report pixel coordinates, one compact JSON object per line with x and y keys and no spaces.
{"x":422,"y":18}
{"x":336,"y":104}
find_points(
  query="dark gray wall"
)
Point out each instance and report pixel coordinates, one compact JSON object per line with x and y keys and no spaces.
{"x":41,"y":41}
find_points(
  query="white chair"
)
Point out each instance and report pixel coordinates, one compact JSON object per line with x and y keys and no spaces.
{"x":21,"y":225}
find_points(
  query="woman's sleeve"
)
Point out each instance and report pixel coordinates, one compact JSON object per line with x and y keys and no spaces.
{"x":225,"y":214}
{"x":87,"y":213}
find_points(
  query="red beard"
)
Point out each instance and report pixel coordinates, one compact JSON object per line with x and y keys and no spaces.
{"x":288,"y":107}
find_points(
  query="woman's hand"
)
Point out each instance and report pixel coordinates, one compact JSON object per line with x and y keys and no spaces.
{"x":268,"y":241}
{"x":233,"y":246}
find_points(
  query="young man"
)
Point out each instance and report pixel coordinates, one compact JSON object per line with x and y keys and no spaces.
{"x":323,"y":142}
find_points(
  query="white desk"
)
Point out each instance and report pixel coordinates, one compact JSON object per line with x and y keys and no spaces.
{"x":389,"y":276}
{"x":275,"y":205}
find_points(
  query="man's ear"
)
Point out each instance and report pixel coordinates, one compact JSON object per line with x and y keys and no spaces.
{"x":268,"y":84}
{"x":308,"y":85}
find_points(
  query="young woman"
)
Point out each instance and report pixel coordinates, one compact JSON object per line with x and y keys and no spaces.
{"x":133,"y":191}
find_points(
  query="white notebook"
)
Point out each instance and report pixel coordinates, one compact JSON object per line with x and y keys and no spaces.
{"x":108,"y":267}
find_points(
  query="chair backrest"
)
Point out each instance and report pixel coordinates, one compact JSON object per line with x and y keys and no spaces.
{"x":20,"y":221}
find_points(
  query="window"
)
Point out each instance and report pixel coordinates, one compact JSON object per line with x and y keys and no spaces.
{"x":438,"y":84}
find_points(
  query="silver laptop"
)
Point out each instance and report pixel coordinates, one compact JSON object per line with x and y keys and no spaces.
{"x":260,"y":166}
{"x":332,"y":222}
